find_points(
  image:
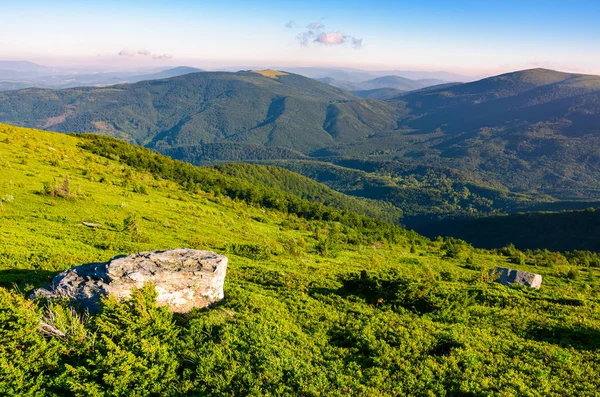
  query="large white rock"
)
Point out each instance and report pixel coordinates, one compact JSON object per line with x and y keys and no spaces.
{"x":506,"y":276}
{"x":184,"y":279}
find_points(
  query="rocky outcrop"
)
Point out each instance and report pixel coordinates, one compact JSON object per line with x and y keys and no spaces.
{"x":506,"y":276}
{"x":184,"y":279}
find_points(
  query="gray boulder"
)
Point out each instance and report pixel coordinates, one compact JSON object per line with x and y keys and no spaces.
{"x":506,"y":276}
{"x":184,"y":279}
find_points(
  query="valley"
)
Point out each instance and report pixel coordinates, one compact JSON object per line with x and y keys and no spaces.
{"x":500,"y":145}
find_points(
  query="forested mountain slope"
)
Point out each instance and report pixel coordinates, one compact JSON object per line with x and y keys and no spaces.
{"x":533,"y":131}
{"x":268,"y":108}
{"x":557,"y":231}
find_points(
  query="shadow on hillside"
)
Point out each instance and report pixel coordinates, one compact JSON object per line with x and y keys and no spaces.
{"x":22,"y":278}
{"x":577,"y":338}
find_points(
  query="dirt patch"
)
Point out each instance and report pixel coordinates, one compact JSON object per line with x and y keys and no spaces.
{"x":270,"y":73}
{"x":101,"y":126}
{"x":52,"y":121}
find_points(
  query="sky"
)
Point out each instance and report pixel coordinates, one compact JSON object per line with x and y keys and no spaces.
{"x":469,"y":37}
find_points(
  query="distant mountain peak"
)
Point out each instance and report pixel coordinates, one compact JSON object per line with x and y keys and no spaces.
{"x":270,"y":73}
{"x":538,"y":76}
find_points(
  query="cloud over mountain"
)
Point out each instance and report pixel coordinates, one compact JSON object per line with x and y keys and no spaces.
{"x":316,"y":34}
{"x":144,"y":53}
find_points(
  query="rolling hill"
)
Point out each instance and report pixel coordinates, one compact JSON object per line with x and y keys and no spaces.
{"x":318,"y":301}
{"x":246,"y":107}
{"x":358,"y":75}
{"x":383,"y":82}
{"x":534,"y":131}
{"x":378,"y":93}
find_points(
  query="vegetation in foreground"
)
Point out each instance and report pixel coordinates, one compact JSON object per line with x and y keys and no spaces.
{"x":315,"y":304}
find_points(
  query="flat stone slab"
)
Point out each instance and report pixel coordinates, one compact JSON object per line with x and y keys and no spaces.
{"x":184,"y":279}
{"x":91,"y":224}
{"x":509,"y":277}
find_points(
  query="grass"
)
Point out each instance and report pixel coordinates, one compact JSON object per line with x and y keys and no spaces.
{"x":270,"y":73}
{"x":296,"y":320}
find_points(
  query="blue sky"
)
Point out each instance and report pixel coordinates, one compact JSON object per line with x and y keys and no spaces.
{"x":473,"y":37}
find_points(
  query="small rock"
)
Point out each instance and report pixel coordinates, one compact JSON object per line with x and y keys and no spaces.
{"x":511,"y":277}
{"x":91,"y":224}
{"x":184,"y":279}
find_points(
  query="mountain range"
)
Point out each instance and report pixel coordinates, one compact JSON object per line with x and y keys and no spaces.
{"x":16,"y":75}
{"x":274,"y":109}
{"x":398,"y":83}
{"x":533,"y":133}
{"x":355,"y":75}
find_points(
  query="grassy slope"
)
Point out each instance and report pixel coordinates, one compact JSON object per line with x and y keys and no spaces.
{"x":286,"y":327}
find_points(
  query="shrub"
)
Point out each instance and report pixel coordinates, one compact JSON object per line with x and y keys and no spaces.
{"x":8,"y":198}
{"x":250,"y":251}
{"x":28,"y":361}
{"x":134,"y":351}
{"x":132,"y":225}
{"x":447,"y":276}
{"x":292,"y":246}
{"x":54,"y":189}
{"x":140,"y":189}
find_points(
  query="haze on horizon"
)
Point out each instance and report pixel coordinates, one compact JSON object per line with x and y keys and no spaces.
{"x":467,"y":36}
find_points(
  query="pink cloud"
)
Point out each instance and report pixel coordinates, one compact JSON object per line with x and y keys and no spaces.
{"x":330,"y":38}
{"x":316,"y":34}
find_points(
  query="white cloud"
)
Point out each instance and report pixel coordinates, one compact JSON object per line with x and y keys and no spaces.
{"x":315,"y":26}
{"x":306,"y":37}
{"x":143,"y":53}
{"x":162,"y":56}
{"x":357,"y":43}
{"x":127,"y":53}
{"x":290,"y":25}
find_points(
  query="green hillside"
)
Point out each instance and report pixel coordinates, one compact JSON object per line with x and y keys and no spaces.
{"x":421,"y":193}
{"x":533,"y":131}
{"x":290,"y":182}
{"x":214,"y":152}
{"x":416,"y":190}
{"x":319,"y":302}
{"x":500,"y":145}
{"x":378,"y":93}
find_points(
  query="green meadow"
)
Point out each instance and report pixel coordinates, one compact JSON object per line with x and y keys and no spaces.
{"x":319,"y":301}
